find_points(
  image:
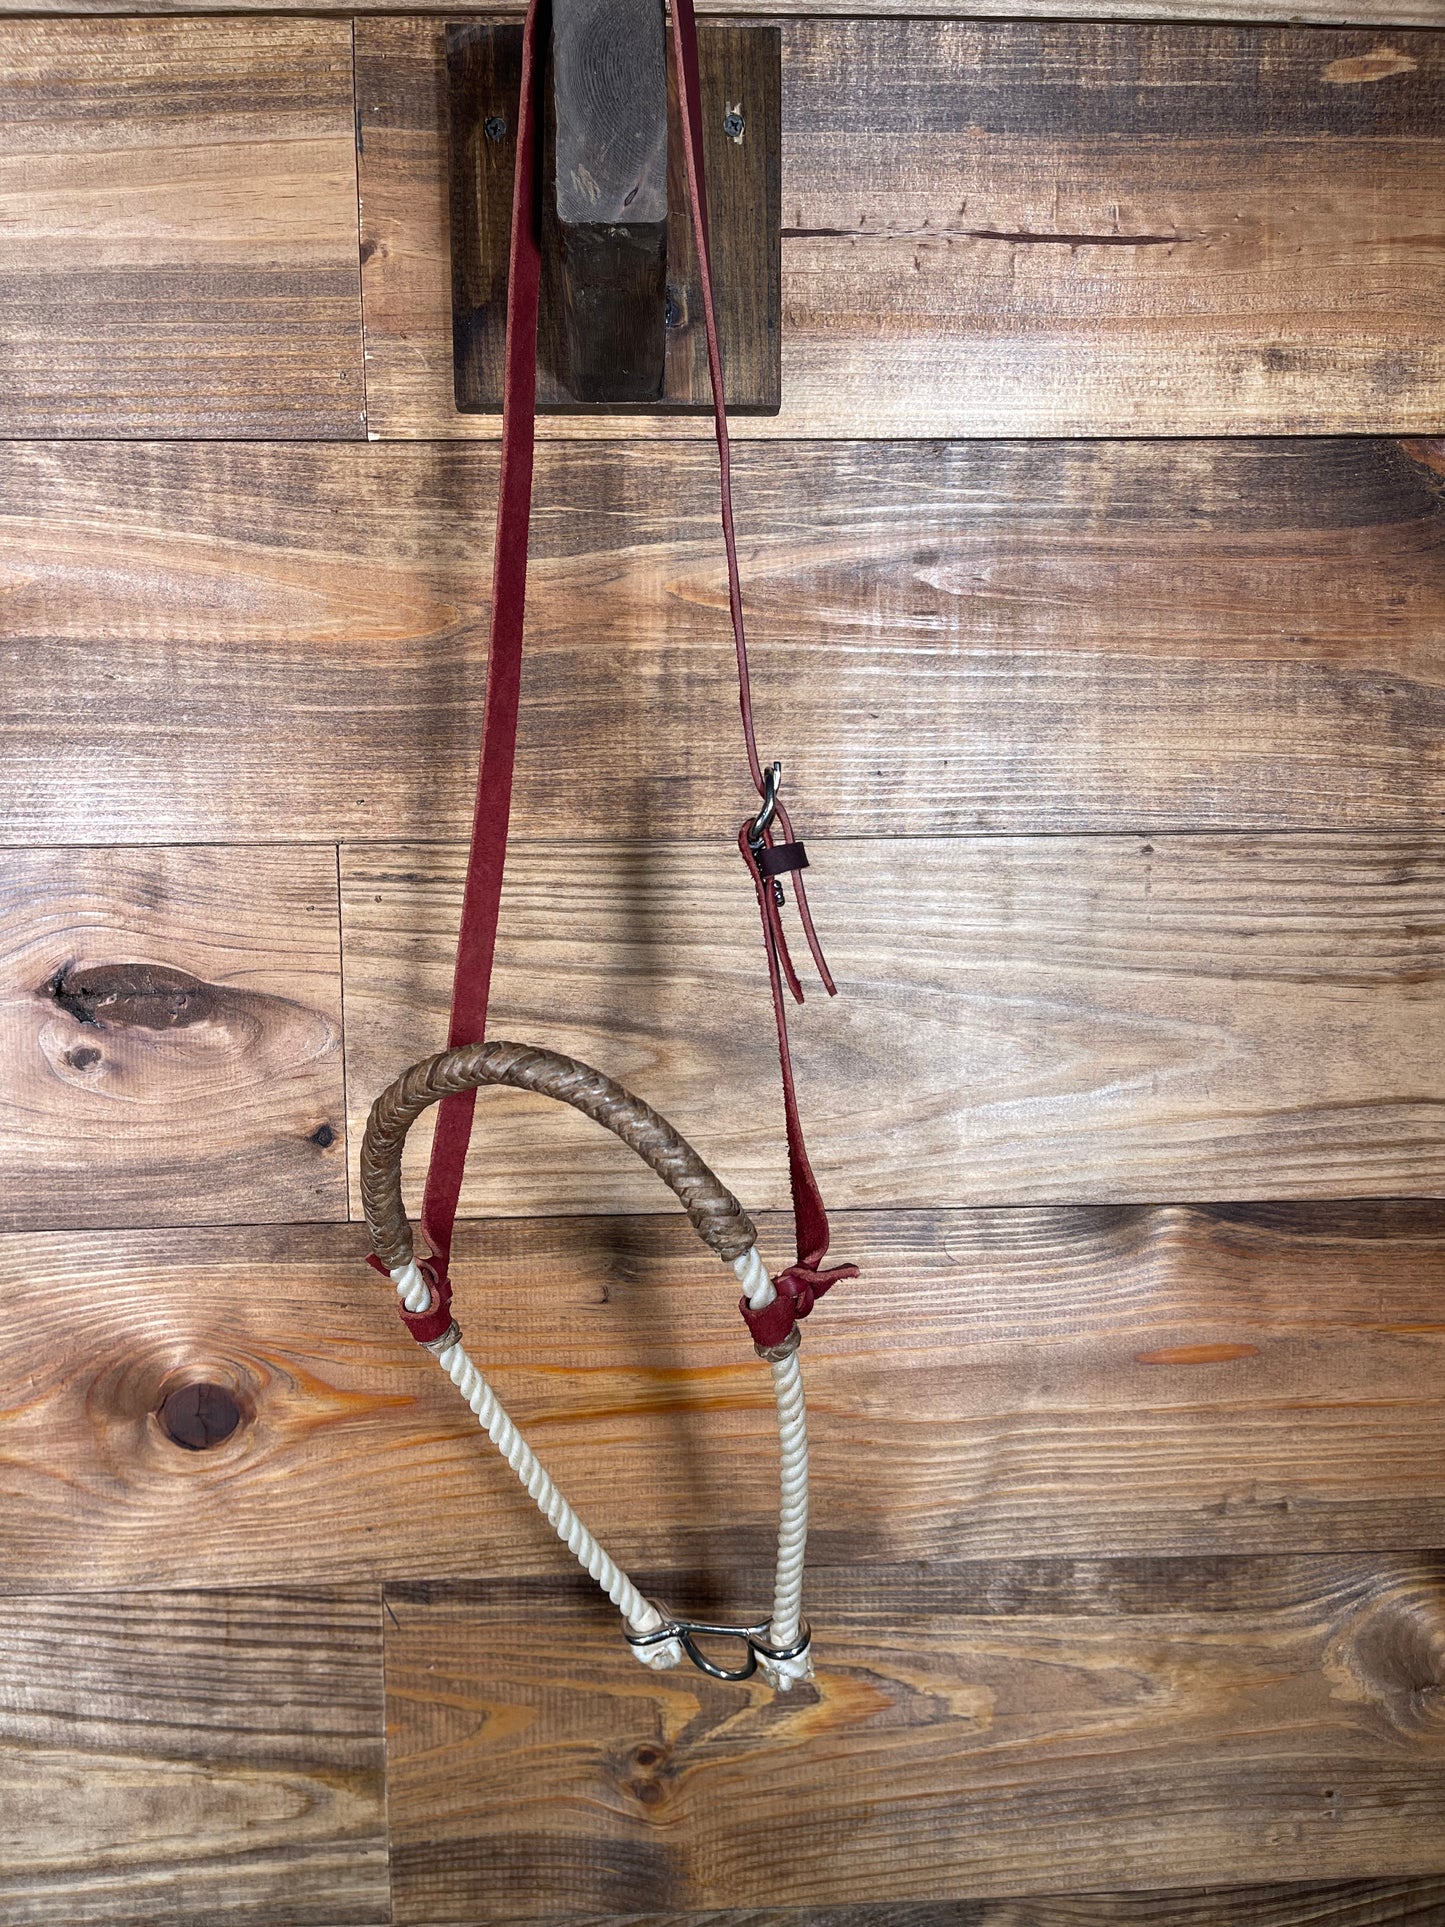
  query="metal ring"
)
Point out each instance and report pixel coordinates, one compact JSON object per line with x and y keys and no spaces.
{"x":775,"y":1354}
{"x":686,"y":1632}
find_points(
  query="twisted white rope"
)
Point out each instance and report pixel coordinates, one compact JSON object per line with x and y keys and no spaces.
{"x":786,"y":1622}
{"x":640,"y":1615}
{"x":793,"y":1511}
{"x":415,"y":1293}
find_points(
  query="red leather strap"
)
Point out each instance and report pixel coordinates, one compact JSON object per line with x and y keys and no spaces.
{"x":802,"y":1282}
{"x":481,"y":900}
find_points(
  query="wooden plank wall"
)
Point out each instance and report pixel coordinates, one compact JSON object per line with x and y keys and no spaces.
{"x":1094,"y":566}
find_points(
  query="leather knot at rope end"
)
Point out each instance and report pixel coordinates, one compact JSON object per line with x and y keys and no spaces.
{"x":433,"y":1323}
{"x":799,"y":1288}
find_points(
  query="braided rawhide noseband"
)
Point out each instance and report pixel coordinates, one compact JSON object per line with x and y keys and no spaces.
{"x":778,"y":1645}
{"x":718,"y":1218}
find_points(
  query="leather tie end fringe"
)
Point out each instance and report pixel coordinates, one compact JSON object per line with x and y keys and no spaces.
{"x":798,"y":1288}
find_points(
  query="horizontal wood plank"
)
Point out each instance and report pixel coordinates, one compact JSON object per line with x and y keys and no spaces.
{"x":996,"y":229}
{"x":1088,"y":1380}
{"x":1342,"y":1903}
{"x":1054,"y":1019}
{"x":255,"y":643}
{"x":178,"y":200}
{"x":974,"y":1730}
{"x":170,"y":1037}
{"x":193,"y":1756}
{"x":1409,"y":13}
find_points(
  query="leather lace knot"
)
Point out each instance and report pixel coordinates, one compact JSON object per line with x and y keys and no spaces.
{"x":799,"y":1288}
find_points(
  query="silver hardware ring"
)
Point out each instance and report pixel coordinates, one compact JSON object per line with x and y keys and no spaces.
{"x":754,"y":1638}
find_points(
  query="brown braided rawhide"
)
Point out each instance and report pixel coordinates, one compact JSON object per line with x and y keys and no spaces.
{"x":718,"y":1218}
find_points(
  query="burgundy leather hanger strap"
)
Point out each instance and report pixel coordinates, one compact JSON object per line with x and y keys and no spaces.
{"x":802,"y":1282}
{"x":481,"y":900}
{"x":689,"y":94}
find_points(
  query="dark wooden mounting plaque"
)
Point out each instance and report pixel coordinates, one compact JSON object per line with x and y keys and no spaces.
{"x":741,"y":74}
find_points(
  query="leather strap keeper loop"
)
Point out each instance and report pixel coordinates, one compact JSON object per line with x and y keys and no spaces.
{"x":781,"y":858}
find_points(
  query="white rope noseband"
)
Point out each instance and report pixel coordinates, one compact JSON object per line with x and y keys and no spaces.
{"x":778,"y":1647}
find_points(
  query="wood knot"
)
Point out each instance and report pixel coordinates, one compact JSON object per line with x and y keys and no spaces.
{"x":646,"y":1774}
{"x":199,"y":1415}
{"x":1356,"y":70}
{"x":148,"y":996}
{"x":1393,"y":1653}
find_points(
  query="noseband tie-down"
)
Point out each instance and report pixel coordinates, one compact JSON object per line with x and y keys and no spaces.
{"x":778,"y":1646}
{"x":771,"y":1306}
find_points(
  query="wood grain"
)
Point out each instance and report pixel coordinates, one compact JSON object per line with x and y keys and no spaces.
{"x":1101,"y":1486}
{"x":255,"y":643}
{"x":975,"y":1730}
{"x":1382,"y":13}
{"x":1022,"y":1020}
{"x":178,"y":207}
{"x":1344,"y":1903}
{"x":1079,"y":1381}
{"x":1011,"y":229}
{"x":170,"y":1037}
{"x":193,"y":1756}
